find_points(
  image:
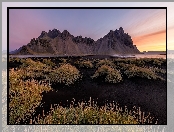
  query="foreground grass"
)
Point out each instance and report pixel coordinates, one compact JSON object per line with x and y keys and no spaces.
{"x":24,"y":97}
{"x":22,"y":105}
{"x":90,"y":113}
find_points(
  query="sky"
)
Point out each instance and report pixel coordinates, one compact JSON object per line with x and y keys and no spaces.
{"x":147,"y":27}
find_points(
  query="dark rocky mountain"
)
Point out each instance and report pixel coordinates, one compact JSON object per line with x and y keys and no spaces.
{"x":55,"y":42}
{"x":116,"y":42}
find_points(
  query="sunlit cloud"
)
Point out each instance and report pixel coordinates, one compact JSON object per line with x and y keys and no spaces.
{"x":152,"y":41}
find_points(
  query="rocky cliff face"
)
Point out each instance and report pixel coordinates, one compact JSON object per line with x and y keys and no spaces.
{"x":116,"y":42}
{"x":55,"y":42}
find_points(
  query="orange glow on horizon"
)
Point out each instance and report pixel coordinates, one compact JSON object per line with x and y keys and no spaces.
{"x":151,"y":42}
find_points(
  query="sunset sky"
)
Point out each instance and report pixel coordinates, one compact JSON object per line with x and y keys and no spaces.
{"x":147,"y":27}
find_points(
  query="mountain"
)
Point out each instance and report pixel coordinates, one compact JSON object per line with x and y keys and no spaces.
{"x":15,"y":51}
{"x":55,"y":42}
{"x":116,"y":42}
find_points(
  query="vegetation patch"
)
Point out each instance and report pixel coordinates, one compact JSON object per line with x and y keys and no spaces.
{"x":105,"y":62}
{"x":141,"y":72}
{"x":24,"y":97}
{"x":15,"y":59}
{"x":142,"y":62}
{"x":63,"y":61}
{"x":158,"y":70}
{"x":90,"y":113}
{"x":31,"y":64}
{"x":84,"y":64}
{"x":48,"y":62}
{"x":65,"y":74}
{"x":111,"y":75}
{"x":29,"y":78}
{"x":34,"y":69}
{"x":123,"y":67}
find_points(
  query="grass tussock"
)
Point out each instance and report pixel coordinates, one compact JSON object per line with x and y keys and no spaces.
{"x":48,"y":62}
{"x":157,"y":70}
{"x":33,"y":65}
{"x":34,"y":69}
{"x":111,"y":75}
{"x":142,"y":73}
{"x":142,"y":62}
{"x":15,"y":59}
{"x":63,"y":61}
{"x":24,"y":96}
{"x":105,"y":62}
{"x":65,"y":74}
{"x":84,"y":64}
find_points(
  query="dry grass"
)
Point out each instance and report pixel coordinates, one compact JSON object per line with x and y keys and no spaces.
{"x":65,"y":74}
{"x":105,"y":62}
{"x":48,"y":62}
{"x":111,"y":75}
{"x":84,"y":64}
{"x":142,"y":62}
{"x":24,"y":96}
{"x":135,"y":71}
{"x":90,"y":113}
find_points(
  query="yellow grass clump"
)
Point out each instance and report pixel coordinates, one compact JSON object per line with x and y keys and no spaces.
{"x":84,"y":64}
{"x":65,"y":74}
{"x":24,"y":96}
{"x":111,"y":75}
{"x":135,"y":71}
{"x":105,"y":62}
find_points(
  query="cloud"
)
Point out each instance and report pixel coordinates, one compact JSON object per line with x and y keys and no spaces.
{"x":151,"y":41}
{"x":162,"y":32}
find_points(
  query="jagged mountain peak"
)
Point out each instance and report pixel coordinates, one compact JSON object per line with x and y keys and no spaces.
{"x":43,"y":34}
{"x":65,"y":33}
{"x":54,"y":31}
{"x":121,"y":30}
{"x":51,"y":33}
{"x":116,"y":33}
{"x":110,"y":34}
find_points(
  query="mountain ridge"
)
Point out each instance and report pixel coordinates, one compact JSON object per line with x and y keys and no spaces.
{"x":55,"y":42}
